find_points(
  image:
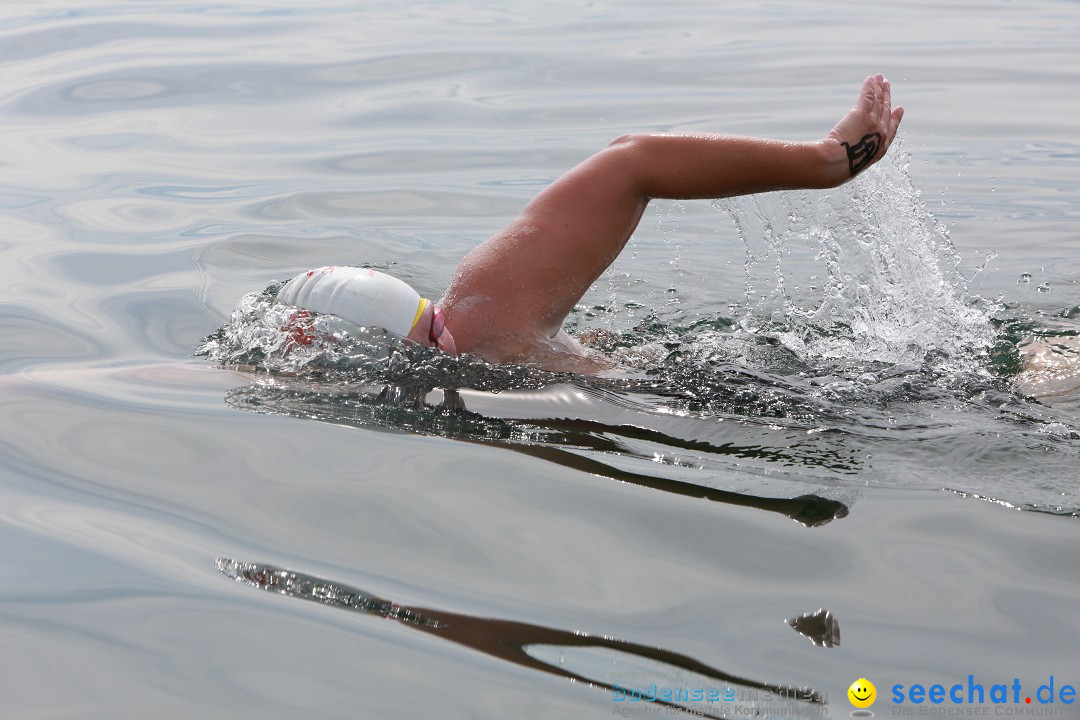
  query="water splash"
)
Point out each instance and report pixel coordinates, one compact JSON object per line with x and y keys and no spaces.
{"x":266,"y":335}
{"x":861,"y":273}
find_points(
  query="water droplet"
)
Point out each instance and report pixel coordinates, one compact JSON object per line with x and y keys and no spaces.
{"x":1044,"y":288}
{"x":1024,"y":278}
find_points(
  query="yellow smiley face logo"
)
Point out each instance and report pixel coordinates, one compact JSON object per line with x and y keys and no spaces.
{"x":862,"y":693}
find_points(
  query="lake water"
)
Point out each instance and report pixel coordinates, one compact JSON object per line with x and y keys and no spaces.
{"x":817,"y":403}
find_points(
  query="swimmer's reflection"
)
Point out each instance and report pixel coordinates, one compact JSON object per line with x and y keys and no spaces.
{"x":503,"y":639}
{"x":548,"y":439}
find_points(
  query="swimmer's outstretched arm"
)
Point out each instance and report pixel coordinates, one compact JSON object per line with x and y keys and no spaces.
{"x":714,"y":166}
{"x":539,"y":266}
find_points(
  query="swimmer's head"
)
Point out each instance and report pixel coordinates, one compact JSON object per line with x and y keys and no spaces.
{"x":369,"y":298}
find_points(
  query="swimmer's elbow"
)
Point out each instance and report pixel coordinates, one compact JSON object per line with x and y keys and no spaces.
{"x":624,"y":139}
{"x":633,"y":161}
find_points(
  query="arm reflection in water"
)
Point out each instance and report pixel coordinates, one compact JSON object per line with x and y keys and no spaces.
{"x":503,"y":639}
{"x":544,"y":438}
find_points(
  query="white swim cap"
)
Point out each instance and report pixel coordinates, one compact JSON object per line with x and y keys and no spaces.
{"x":366,"y":297}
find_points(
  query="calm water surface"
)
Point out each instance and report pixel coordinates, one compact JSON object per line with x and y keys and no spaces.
{"x":816,"y":404}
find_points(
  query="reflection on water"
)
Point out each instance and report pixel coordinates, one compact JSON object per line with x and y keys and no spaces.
{"x":604,"y":449}
{"x":820,"y":628}
{"x":524,"y":644}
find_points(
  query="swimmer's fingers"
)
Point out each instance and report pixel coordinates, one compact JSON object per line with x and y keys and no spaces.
{"x":866,"y":102}
{"x":878,"y":83}
{"x":894,"y":124}
{"x":890,"y":116}
{"x":880,"y":111}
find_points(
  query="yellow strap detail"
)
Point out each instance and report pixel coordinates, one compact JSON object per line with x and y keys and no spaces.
{"x":419,"y":311}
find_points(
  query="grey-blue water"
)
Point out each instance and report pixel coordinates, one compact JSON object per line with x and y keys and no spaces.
{"x":820,"y":399}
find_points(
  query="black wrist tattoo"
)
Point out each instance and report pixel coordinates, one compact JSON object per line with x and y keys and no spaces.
{"x":862,"y":153}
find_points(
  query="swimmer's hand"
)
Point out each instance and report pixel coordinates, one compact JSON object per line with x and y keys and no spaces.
{"x":863,"y":136}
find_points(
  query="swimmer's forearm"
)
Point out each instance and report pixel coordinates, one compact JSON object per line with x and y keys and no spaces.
{"x":714,"y":166}
{"x":704,"y":166}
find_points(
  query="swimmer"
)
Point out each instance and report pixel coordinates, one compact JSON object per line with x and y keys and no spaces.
{"x":508,"y":298}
